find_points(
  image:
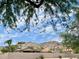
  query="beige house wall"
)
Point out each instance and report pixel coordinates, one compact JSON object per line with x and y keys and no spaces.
{"x":36,"y":55}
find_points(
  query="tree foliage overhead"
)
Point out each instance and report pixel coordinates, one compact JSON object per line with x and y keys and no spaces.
{"x":71,"y":37}
{"x":12,"y":10}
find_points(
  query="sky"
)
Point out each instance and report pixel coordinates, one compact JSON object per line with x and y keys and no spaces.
{"x":28,"y":36}
{"x":35,"y":34}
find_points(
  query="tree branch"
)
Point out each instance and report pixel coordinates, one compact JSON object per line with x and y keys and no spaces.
{"x":2,"y":4}
{"x":35,"y":5}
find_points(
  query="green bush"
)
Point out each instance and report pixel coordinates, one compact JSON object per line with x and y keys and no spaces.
{"x":8,"y":49}
{"x":4,"y":50}
{"x":76,"y":50}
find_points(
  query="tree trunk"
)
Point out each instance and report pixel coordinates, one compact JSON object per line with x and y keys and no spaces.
{"x":34,"y":4}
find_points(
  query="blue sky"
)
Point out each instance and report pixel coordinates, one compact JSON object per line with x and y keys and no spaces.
{"x":26,"y":36}
{"x":36,"y":33}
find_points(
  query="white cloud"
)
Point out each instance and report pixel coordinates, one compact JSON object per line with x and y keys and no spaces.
{"x":49,"y":29}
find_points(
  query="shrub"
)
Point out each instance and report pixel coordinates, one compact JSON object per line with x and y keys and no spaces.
{"x":40,"y":57}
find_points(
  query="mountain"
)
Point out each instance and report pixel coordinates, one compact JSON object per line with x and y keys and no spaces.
{"x":43,"y":47}
{"x":51,"y":46}
{"x":28,"y":46}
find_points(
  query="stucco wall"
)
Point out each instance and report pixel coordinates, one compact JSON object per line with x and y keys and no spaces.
{"x":35,"y":55}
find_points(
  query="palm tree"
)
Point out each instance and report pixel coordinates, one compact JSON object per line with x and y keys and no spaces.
{"x":9,"y":47}
{"x":10,"y":9}
{"x":9,"y":43}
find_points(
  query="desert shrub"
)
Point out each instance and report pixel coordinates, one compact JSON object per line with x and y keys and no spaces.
{"x":8,"y":49}
{"x":40,"y":57}
{"x":4,"y":50}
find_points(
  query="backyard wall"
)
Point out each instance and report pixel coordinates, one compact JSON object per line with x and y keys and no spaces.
{"x":36,"y":55}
